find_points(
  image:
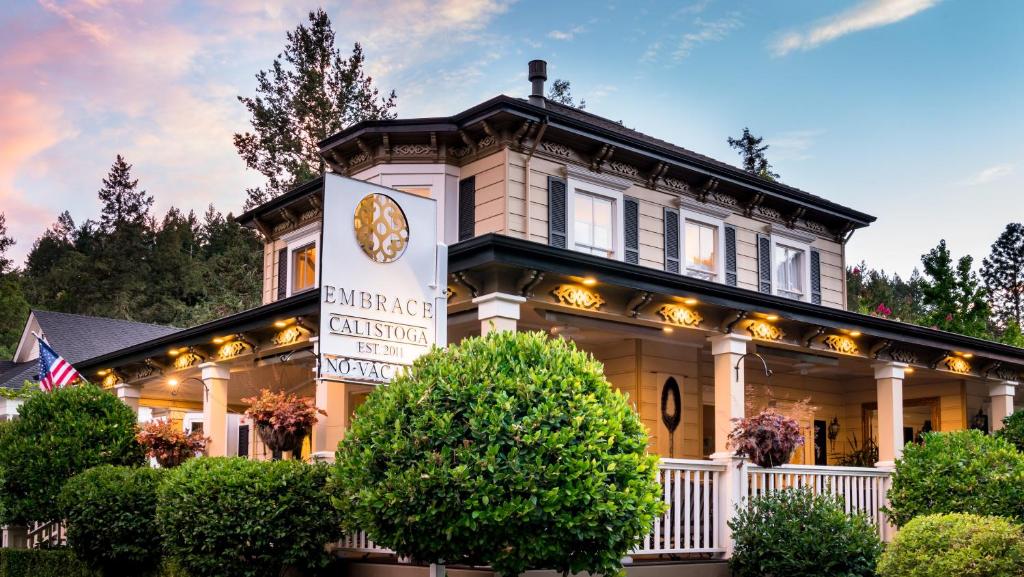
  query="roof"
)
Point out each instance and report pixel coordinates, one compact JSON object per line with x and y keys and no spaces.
{"x":80,"y":337}
{"x":575,"y":119}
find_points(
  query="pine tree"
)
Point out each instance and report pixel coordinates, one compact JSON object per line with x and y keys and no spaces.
{"x":6,"y":242}
{"x":13,"y":306}
{"x":309,"y":93}
{"x":952,"y":294}
{"x":1003,"y":272}
{"x":124,"y":205}
{"x":561,"y":92}
{"x":753,"y":154}
{"x":872,"y":291}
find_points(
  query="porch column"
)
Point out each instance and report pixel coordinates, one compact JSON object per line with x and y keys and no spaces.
{"x":129,"y":395}
{"x":498,"y":311}
{"x":1001,"y":396}
{"x":728,"y":351}
{"x":215,"y":407}
{"x":332,"y":397}
{"x":889,"y":380}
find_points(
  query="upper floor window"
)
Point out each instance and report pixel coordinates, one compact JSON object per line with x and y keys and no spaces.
{"x":593,"y":230}
{"x":790,"y":267}
{"x":303,"y":268}
{"x":700,"y":242}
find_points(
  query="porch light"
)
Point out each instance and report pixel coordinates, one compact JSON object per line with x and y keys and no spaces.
{"x":771,"y":318}
{"x":967,"y":355}
{"x":280,"y":324}
{"x":174,"y":352}
{"x":690,"y":301}
{"x":908,"y":370}
{"x":667,"y":330}
{"x":855,"y":334}
{"x":589,"y":281}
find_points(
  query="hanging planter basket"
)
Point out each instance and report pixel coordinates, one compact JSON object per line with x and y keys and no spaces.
{"x":280,"y":439}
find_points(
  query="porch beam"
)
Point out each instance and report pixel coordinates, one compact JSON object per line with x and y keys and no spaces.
{"x":215,"y":407}
{"x":1001,"y":396}
{"x":889,"y":382}
{"x":498,"y":311}
{"x":129,"y":395}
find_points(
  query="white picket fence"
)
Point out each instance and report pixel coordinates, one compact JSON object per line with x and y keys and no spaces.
{"x":862,"y":489}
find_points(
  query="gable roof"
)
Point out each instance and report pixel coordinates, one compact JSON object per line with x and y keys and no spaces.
{"x":76,"y":338}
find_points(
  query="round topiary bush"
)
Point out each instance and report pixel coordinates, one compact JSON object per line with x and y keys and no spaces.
{"x":56,"y":436}
{"x":232,"y":516}
{"x":955,"y":545}
{"x":111,"y":519}
{"x":795,"y":532}
{"x":1013,"y":430}
{"x":957,"y":472}
{"x":510,"y":450}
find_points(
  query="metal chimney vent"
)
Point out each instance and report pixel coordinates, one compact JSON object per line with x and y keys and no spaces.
{"x":538,"y":74}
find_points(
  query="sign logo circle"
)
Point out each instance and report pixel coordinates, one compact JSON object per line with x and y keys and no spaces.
{"x":382,"y":230}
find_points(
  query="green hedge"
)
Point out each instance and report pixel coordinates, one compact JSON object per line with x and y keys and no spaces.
{"x":958,"y":472}
{"x":956,"y":545}
{"x":57,"y":563}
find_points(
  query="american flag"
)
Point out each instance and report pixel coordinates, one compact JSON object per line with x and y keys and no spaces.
{"x":54,"y":371}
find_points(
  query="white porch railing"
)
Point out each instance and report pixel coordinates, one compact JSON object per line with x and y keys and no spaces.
{"x":692,"y":490}
{"x":690,"y":524}
{"x":46,"y":535}
{"x":862,"y":489}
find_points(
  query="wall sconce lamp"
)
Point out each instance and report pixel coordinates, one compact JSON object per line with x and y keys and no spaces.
{"x":174,"y":383}
{"x":833,"y":432}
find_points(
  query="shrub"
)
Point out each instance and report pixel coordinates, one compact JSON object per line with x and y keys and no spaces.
{"x":957,"y":472}
{"x":795,"y":532}
{"x":510,"y":450}
{"x":56,"y":563}
{"x":168,"y":443}
{"x":111,"y":519}
{"x":768,"y":438}
{"x":57,"y":436}
{"x":232,"y":516}
{"x":1013,"y":430}
{"x":955,"y":545}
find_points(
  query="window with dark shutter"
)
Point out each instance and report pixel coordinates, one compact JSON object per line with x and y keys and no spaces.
{"x":243,"y":441}
{"x":730,"y":256}
{"x":631,"y":229}
{"x":467,"y":208}
{"x":815,"y":277}
{"x":671,"y":240}
{"x":558,"y":235}
{"x":764,"y":264}
{"x":282,"y":273}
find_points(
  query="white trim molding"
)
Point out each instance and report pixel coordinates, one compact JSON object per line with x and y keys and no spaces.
{"x":601,"y":185}
{"x":708,"y":219}
{"x":805,"y":265}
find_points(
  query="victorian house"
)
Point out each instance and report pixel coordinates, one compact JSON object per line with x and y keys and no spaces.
{"x":707,"y":292}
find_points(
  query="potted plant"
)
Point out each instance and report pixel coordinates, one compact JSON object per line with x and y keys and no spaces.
{"x":168,"y":444}
{"x":283,"y":420}
{"x":768,"y":438}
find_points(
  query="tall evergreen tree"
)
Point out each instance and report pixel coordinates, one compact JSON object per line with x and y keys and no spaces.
{"x":561,"y":92}
{"x":309,"y":93}
{"x":124,"y":205}
{"x":952,"y":294}
{"x":752,"y":152}
{"x":13,"y":306}
{"x":122,"y":262}
{"x":1003,"y":272}
{"x":872,"y":291}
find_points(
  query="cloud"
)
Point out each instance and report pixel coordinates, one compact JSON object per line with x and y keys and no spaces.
{"x":793,"y":145}
{"x":989,"y":174}
{"x":864,"y":16}
{"x":706,"y":31}
{"x":566,"y":34}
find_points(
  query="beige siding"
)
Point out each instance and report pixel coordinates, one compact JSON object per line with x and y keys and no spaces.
{"x":491,"y":200}
{"x":530,"y":211}
{"x":833,"y":273}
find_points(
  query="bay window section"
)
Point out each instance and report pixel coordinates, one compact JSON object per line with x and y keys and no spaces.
{"x":593,"y":218}
{"x":700,"y":242}
{"x":789,"y":271}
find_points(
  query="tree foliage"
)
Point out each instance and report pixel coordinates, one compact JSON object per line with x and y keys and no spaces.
{"x":13,"y":306}
{"x":178,"y":270}
{"x":510,"y":450}
{"x":953,"y":297}
{"x":1003,"y":272}
{"x":752,"y":152}
{"x":561,"y":92}
{"x":872,"y":291}
{"x":309,"y":93}
{"x":56,"y":436}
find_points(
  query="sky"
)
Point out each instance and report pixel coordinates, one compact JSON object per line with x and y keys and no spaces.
{"x":909,"y":110}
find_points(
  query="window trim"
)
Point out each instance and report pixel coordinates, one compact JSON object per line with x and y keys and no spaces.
{"x":301,"y":238}
{"x":600,"y":185}
{"x":292,"y":263}
{"x":685,"y":215}
{"x":805,"y":265}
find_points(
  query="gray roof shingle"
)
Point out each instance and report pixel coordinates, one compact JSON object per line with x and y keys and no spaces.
{"x":79,"y":337}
